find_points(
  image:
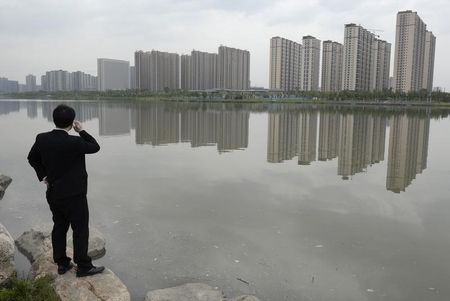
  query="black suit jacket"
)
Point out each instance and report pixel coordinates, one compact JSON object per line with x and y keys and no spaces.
{"x":61,"y":158}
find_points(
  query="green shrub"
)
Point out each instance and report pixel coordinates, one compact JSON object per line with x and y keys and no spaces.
{"x":29,"y":290}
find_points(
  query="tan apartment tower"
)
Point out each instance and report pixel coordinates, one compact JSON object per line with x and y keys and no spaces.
{"x":310,"y":66}
{"x":358,"y":43}
{"x":233,"y":66}
{"x":157,"y":70}
{"x":199,"y":71}
{"x":285,"y":61}
{"x":428,"y":67}
{"x":381,"y":64}
{"x":410,"y":49}
{"x":332,"y":57}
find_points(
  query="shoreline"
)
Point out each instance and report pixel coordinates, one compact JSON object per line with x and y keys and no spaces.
{"x":299,"y":101}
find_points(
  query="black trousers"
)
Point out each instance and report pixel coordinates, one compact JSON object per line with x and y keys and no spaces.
{"x":72,"y":211}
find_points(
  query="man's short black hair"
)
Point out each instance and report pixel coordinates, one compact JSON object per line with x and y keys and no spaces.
{"x":63,"y":116}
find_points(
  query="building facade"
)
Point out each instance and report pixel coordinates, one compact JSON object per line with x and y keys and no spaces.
{"x":410,"y":49}
{"x":285,"y":62}
{"x":113,"y":74}
{"x":358,"y":44}
{"x":310,"y":66}
{"x":157,"y":70}
{"x":233,"y":69}
{"x":132,"y":77}
{"x":428,"y":67}
{"x":381,"y":64}
{"x":199,"y":71}
{"x":30,"y":83}
{"x":84,"y":82}
{"x":332,"y":57}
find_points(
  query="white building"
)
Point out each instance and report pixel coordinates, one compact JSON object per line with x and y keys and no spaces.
{"x":113,"y":74}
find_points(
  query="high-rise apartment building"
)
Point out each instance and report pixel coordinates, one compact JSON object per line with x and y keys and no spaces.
{"x":428,"y":67}
{"x":381,"y":63}
{"x":84,"y":82}
{"x":410,"y":50}
{"x":358,"y":44}
{"x":285,"y":61}
{"x":332,"y":57}
{"x":199,"y":71}
{"x":310,"y":66}
{"x":132,"y":77}
{"x":30,"y":83}
{"x":233,"y":69}
{"x":157,"y":70}
{"x":113,"y":74}
{"x":57,"y":80}
{"x":185,"y":83}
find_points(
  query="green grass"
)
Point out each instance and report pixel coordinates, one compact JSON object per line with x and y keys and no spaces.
{"x":29,"y":290}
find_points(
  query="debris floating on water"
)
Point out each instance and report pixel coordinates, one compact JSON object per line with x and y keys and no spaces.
{"x":243,"y":281}
{"x":318,"y":246}
{"x":369,"y":290}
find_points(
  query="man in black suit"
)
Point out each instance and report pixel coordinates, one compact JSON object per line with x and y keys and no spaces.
{"x":59,"y":160}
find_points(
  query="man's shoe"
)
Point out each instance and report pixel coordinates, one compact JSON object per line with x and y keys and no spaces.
{"x":90,"y":272}
{"x":62,"y":269}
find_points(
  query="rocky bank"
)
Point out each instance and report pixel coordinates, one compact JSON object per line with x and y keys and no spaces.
{"x":4,"y":183}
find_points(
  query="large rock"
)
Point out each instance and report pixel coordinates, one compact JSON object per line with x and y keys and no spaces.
{"x":101,"y":287}
{"x":186,"y":292}
{"x":97,"y":242}
{"x":38,"y":240}
{"x":36,"y":245}
{"x":4,"y":183}
{"x":7,"y":266}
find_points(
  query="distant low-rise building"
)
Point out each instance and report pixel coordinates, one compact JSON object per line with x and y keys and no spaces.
{"x":8,"y":86}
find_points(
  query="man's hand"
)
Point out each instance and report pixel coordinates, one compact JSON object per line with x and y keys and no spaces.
{"x":77,"y":126}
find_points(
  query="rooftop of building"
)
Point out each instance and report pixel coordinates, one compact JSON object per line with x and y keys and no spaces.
{"x":309,"y":37}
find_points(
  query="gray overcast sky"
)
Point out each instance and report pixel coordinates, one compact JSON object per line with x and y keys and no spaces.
{"x":37,"y":36}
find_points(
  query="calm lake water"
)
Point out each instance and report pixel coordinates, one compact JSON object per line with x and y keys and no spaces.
{"x":300,"y":202}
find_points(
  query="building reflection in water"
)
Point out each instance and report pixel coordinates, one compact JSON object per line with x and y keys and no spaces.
{"x":328,"y":136}
{"x":282,"y":139}
{"x":408,"y":151}
{"x":361,"y":143}
{"x":7,"y":107}
{"x":307,"y":137}
{"x":356,"y":140}
{"x":157,"y":124}
{"x":227,"y":129}
{"x":114,"y":120}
